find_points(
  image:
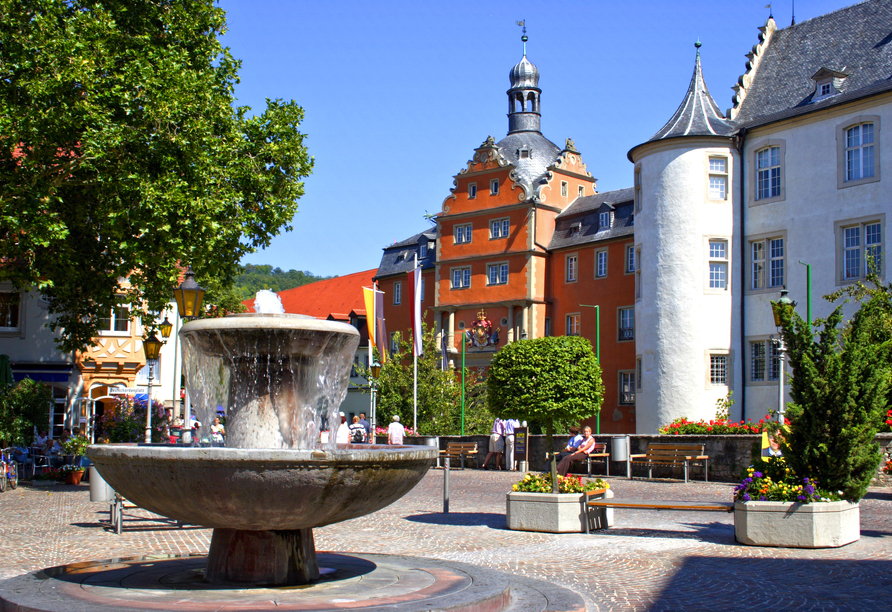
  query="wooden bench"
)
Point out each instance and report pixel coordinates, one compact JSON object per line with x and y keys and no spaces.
{"x":650,"y":504}
{"x":685,"y":455}
{"x":599,"y":454}
{"x":462,"y":451}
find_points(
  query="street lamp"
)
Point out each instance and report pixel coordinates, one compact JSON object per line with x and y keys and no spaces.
{"x":166,"y":327}
{"x":189,"y":296}
{"x":152,"y":347}
{"x":375,"y":370}
{"x":778,"y":308}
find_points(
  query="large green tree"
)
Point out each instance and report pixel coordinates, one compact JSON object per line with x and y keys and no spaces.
{"x":122,"y":154}
{"x":555,"y":381}
{"x":841,"y":387}
{"x":439,"y":392}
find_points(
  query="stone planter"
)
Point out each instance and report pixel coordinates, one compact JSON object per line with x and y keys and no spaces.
{"x":554,"y":512}
{"x":794,"y":525}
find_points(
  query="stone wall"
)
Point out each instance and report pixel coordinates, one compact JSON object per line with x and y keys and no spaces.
{"x":728,"y":455}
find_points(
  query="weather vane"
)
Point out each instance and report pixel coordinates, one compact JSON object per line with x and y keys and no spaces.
{"x":523,"y":23}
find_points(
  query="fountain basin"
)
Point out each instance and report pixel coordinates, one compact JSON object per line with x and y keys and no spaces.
{"x":267,"y":489}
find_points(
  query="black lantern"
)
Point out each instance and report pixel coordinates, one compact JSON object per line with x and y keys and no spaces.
{"x":166,"y":327}
{"x":784,"y":304}
{"x":152,"y":347}
{"x":189,"y":296}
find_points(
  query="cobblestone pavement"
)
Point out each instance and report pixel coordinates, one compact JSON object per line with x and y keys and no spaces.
{"x":648,"y":561}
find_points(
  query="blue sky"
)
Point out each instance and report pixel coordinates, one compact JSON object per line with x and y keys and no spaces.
{"x":398,"y":94}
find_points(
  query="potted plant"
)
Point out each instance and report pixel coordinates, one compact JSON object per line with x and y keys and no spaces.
{"x":840,"y":387}
{"x":72,"y":474}
{"x":552,"y":380}
{"x":532,"y":506}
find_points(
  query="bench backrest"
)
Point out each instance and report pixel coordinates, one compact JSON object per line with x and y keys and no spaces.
{"x":465,"y":447}
{"x":600,"y":447}
{"x":674,"y":450}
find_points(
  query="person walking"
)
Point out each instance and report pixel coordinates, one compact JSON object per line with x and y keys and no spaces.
{"x":395,"y":431}
{"x":343,"y":433}
{"x":357,"y":432}
{"x":368,"y":428}
{"x":510,"y":424}
{"x":496,"y":443}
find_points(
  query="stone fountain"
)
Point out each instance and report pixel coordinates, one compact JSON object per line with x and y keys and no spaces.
{"x":281,"y":378}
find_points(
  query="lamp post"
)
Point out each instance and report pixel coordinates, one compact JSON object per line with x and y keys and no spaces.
{"x":783,"y":305}
{"x":152,"y":348}
{"x":189,"y":296}
{"x":375,"y":369}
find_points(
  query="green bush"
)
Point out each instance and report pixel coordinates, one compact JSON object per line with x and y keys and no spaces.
{"x":841,"y":385}
{"x":23,"y":407}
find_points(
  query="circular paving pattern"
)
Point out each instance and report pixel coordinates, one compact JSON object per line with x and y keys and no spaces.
{"x":355,"y":582}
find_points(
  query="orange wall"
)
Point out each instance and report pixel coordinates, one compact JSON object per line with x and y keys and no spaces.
{"x":398,"y":317}
{"x":615,"y":290}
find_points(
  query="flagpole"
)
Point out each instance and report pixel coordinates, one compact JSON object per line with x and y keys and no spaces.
{"x":415,"y":291}
{"x":463,"y":384}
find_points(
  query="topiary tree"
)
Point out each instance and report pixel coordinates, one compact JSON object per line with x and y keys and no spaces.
{"x":554,"y":380}
{"x":841,"y":386}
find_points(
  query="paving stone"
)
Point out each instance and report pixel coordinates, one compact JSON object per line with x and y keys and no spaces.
{"x":650,"y":560}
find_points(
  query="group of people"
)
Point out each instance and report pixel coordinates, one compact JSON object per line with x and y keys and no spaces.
{"x":501,"y":442}
{"x":360,"y":430}
{"x":578,"y":448}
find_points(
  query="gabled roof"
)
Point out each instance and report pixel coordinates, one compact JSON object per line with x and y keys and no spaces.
{"x":342,"y":294}
{"x":579,"y":223}
{"x":399,"y":257}
{"x":698,"y":114}
{"x":529,"y":171}
{"x":856,"y":40}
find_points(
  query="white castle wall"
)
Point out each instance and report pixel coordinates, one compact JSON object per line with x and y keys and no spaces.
{"x":679,"y":320}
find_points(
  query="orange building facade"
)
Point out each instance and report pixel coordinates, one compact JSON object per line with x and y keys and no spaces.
{"x":527,"y":246}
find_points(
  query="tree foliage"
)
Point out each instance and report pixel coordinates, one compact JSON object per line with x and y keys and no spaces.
{"x":840,"y":387}
{"x":23,"y":407}
{"x":555,"y":381}
{"x":123,"y":154}
{"x":439,"y":392}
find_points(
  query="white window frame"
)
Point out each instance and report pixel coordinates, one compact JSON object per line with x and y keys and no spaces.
{"x":573,"y":325}
{"x":501,"y":273}
{"x":116,"y":312}
{"x":565,"y":189}
{"x":842,"y":177}
{"x":472,"y":191}
{"x":716,"y":174}
{"x":863,"y":248}
{"x":756,"y":198}
{"x":397,"y":293}
{"x":571,"y":268}
{"x":766,"y":360}
{"x":580,"y":191}
{"x":626,"y":387}
{"x":630,"y":259}
{"x":499,"y":228}
{"x":494,"y":187}
{"x":764,"y":263}
{"x":605,"y":220}
{"x":422,"y":251}
{"x":625,"y":323}
{"x":464,"y":278}
{"x":15,"y":303}
{"x":463,"y":233}
{"x":716,"y":262}
{"x":601,"y":263}
{"x":728,"y":356}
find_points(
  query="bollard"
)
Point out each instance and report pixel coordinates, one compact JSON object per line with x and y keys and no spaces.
{"x":446,"y":488}
{"x":99,"y":489}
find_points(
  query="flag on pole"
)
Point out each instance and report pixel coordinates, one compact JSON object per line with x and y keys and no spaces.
{"x":368,"y":295}
{"x":381,"y":332}
{"x":415,"y":300}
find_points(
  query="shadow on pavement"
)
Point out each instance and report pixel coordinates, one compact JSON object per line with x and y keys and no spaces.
{"x":715,"y":533}
{"x":493,"y":521}
{"x":746,"y":583}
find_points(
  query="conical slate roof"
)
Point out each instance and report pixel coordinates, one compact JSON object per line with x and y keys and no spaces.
{"x":698,"y":114}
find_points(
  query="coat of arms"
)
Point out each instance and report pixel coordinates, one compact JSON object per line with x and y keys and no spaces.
{"x":481,"y":333}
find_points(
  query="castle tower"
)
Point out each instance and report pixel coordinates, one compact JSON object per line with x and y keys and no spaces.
{"x":686,"y":203}
{"x":523,"y":97}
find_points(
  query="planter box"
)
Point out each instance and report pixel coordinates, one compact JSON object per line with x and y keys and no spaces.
{"x":794,"y":525}
{"x":554,"y":512}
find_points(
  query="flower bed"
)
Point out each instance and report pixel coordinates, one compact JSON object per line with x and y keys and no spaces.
{"x":541,"y":483}
{"x":714,"y":427}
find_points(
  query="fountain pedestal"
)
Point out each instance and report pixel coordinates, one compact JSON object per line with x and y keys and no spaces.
{"x":282,"y":557}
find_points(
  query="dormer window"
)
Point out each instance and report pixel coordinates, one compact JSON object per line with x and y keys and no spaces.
{"x":604,"y":220}
{"x":422,"y":251}
{"x":828,"y":82}
{"x":523,"y":153}
{"x":575,"y":228}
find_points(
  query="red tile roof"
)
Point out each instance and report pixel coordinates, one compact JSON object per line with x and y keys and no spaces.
{"x":323,"y":298}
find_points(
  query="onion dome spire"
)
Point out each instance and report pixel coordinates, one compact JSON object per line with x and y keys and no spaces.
{"x":523,"y":97}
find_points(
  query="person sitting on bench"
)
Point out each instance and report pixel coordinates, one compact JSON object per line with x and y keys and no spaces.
{"x":572,"y":445}
{"x":587,"y":446}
